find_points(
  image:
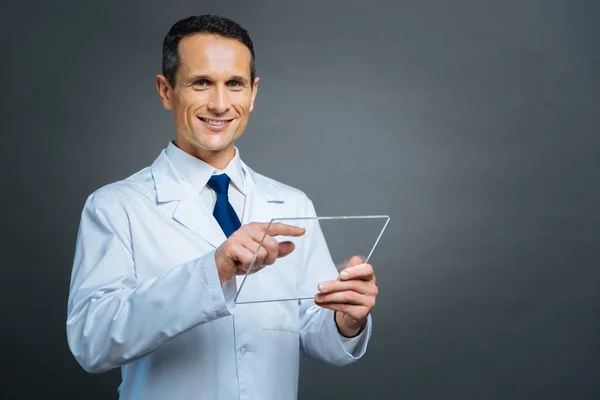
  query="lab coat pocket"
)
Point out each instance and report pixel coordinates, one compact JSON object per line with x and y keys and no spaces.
{"x":281,"y":316}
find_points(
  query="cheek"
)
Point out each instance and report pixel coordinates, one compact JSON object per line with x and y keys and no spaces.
{"x":190,"y":102}
{"x":243,"y":108}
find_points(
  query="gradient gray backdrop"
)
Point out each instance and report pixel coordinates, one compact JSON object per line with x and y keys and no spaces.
{"x":473,"y":124}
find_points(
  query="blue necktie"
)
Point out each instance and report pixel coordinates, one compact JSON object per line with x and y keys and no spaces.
{"x":224,"y":212}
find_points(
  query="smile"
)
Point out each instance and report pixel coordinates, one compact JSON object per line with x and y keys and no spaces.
{"x":216,"y":123}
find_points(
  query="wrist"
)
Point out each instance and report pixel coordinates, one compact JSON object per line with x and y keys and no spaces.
{"x":225,"y":274}
{"x":346,"y":328}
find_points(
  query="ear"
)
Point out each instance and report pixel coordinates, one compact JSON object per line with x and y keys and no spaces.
{"x":254,"y":91}
{"x":164,"y":90}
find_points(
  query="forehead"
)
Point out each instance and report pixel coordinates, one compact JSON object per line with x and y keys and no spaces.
{"x":212,"y":54}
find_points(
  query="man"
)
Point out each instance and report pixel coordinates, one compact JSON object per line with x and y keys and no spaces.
{"x":159,"y":254}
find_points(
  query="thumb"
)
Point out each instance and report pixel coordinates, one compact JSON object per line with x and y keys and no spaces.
{"x":356,"y":260}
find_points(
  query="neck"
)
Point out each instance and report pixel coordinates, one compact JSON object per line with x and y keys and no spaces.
{"x":218,"y":159}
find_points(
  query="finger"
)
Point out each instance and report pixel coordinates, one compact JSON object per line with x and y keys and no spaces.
{"x":355,"y":312}
{"x":347,"y":297}
{"x":355,"y":285}
{"x":285,"y":248}
{"x":254,"y":238}
{"x":245,"y":245}
{"x":361,"y":271}
{"x":281,"y":250}
{"x":279,"y":229}
{"x":254,"y":231}
{"x":243,"y":256}
{"x":354,"y":260}
{"x":271,"y":246}
{"x":261,"y":256}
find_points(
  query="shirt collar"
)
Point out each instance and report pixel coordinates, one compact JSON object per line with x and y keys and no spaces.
{"x":197,"y":173}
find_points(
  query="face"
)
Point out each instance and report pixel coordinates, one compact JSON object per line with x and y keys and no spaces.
{"x":212,"y":98}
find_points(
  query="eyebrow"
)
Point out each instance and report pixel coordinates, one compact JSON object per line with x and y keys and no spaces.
{"x":208,"y":78}
{"x":238,"y":78}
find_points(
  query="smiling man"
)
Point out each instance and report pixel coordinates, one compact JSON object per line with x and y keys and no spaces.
{"x":210,"y":85}
{"x":160,"y":254}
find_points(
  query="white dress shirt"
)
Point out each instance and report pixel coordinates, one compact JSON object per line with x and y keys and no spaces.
{"x":145,"y":294}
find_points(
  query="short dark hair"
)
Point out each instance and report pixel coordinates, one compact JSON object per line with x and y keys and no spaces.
{"x":208,"y":23}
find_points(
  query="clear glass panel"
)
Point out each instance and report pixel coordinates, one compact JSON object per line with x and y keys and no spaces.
{"x":323,"y":251}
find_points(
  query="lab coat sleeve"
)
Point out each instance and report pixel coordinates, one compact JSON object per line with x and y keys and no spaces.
{"x":112,"y":318}
{"x":320,"y":340}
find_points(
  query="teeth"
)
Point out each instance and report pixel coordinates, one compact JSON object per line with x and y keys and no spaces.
{"x":215,"y":122}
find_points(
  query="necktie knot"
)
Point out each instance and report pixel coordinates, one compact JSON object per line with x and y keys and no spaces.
{"x":219,"y":183}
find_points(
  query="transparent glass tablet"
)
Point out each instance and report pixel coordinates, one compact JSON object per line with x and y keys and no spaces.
{"x":327,"y":247}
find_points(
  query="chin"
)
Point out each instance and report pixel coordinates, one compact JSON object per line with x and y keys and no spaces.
{"x":214,"y":145}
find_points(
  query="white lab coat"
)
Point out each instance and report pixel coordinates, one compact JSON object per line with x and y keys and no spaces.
{"x":145,"y":295}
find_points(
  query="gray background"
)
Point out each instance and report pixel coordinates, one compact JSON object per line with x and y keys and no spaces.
{"x":473,"y":124}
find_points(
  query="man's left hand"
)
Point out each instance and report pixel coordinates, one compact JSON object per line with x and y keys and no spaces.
{"x":351,"y":296}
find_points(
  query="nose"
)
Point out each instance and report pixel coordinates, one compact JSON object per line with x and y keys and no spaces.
{"x":219,"y":100}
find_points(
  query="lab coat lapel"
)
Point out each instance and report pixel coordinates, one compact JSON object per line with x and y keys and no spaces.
{"x":197,"y":218}
{"x":180,"y":201}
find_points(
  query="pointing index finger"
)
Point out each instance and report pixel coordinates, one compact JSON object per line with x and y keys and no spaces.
{"x":278,"y":228}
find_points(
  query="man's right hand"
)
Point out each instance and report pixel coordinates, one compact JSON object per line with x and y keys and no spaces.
{"x":235,"y":255}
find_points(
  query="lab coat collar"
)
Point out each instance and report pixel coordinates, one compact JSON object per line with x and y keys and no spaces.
{"x":169,"y":186}
{"x":180,"y":199}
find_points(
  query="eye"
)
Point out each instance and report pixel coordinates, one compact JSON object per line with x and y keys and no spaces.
{"x":235,"y":84}
{"x":201,"y":82}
